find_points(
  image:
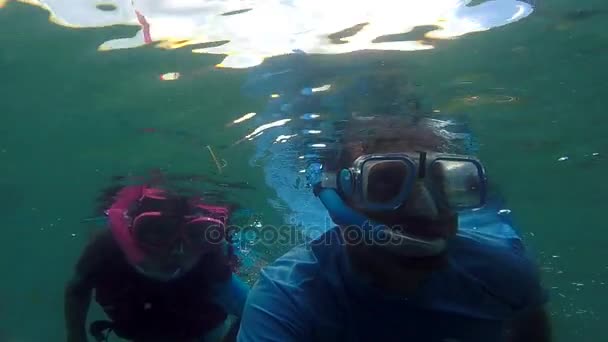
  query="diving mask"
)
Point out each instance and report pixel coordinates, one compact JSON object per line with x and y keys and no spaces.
{"x":384,"y":182}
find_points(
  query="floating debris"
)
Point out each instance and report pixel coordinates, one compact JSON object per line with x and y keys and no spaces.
{"x":170,"y":76}
{"x":218,"y":165}
{"x":243,"y":118}
{"x":595,"y":154}
{"x":563,"y":159}
{"x":504,"y":212}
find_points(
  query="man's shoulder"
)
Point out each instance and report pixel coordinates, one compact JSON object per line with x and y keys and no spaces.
{"x":298,"y":267}
{"x":304,"y":270}
{"x":503,"y":265}
{"x":498,"y":245}
{"x":283,"y":304}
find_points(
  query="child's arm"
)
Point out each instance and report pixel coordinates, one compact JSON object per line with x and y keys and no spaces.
{"x":76,"y":306}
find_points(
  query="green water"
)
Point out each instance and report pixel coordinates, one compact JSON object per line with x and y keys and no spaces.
{"x":73,"y":117}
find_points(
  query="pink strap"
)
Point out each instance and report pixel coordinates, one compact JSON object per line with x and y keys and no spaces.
{"x":119,"y":226}
{"x":145,"y":27}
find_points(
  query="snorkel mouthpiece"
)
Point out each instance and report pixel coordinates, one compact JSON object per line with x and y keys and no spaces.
{"x":158,"y":275}
{"x":398,"y":242}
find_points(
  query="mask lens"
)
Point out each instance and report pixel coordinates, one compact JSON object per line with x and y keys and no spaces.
{"x":383,"y":180}
{"x":153,"y":230}
{"x":458,"y":181}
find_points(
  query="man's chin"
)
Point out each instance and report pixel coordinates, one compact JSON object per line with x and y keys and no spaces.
{"x":429,"y":263}
{"x":424,"y":228}
{"x":431,"y":232}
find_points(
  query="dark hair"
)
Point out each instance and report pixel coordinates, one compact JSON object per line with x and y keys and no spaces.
{"x":382,"y":134}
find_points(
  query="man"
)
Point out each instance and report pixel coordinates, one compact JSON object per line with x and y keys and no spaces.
{"x":398,"y":268}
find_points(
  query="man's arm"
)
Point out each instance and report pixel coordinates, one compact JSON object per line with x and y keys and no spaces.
{"x":76,"y":306}
{"x":530,"y":326}
{"x":272,"y":313}
{"x":231,"y":295}
{"x":232,"y":331}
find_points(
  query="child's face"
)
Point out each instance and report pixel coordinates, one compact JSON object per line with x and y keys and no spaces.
{"x":171,"y":263}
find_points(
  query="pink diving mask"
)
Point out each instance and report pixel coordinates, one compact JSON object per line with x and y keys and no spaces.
{"x":159,"y":233}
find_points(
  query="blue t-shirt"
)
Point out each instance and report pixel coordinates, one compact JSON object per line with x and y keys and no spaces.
{"x":312,"y":294}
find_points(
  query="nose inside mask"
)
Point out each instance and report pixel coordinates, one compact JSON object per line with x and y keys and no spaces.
{"x":421,"y":203}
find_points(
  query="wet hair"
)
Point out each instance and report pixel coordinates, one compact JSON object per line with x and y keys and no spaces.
{"x":384,"y":134}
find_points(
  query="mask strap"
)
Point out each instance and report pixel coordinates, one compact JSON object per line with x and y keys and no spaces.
{"x":119,"y":226}
{"x":152,"y":193}
{"x":218,"y":213}
{"x":206,"y":219}
{"x":145,"y":214}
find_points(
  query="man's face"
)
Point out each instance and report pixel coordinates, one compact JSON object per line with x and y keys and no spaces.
{"x":422,"y":215}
